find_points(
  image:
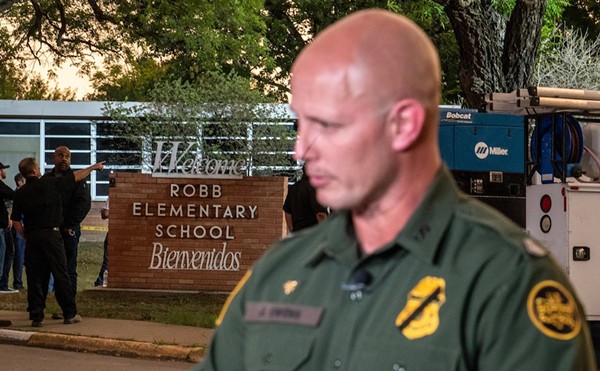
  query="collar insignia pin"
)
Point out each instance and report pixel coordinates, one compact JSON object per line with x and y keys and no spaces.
{"x":290,"y":286}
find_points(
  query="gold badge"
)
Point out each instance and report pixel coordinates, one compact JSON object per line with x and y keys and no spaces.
{"x":553,"y":311}
{"x":290,"y":286}
{"x":421,"y":314}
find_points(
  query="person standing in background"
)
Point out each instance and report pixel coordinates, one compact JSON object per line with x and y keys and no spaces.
{"x":10,"y":257}
{"x":100,"y":280}
{"x":76,"y":203}
{"x":39,"y":203}
{"x":9,"y":254}
{"x":302,"y":210}
{"x":19,"y":242}
{"x":6,"y":194}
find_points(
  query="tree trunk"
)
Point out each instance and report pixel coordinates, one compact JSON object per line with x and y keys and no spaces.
{"x":497,"y":54}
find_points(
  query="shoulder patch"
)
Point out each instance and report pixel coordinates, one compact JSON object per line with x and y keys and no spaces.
{"x":534,"y":247}
{"x":553,"y":311}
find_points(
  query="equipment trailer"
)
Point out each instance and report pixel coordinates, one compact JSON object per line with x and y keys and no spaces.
{"x":534,"y":154}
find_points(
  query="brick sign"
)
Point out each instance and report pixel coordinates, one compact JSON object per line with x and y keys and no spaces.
{"x":189,"y":233}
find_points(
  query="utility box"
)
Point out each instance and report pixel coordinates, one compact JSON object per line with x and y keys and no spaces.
{"x":491,"y":142}
{"x":486,"y":153}
{"x":564,"y":216}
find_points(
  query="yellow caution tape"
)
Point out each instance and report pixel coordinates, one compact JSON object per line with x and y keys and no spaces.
{"x":94,"y":228}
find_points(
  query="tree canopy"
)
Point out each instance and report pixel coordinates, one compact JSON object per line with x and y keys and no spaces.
{"x":185,"y":37}
{"x":485,"y":45}
{"x":571,"y":60}
{"x":17,"y":84}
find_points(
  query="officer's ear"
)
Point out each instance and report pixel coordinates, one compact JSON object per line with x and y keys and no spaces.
{"x":406,"y":119}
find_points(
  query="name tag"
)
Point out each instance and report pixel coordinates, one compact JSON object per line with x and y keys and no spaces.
{"x":291,"y":314}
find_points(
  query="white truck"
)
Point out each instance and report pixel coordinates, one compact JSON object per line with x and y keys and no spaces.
{"x":562,"y":181}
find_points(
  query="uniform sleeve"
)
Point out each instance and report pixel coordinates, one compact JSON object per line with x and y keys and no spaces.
{"x":17,"y":210}
{"x":287,"y":204}
{"x":79,"y":203}
{"x":226,"y":350}
{"x":6,"y":192}
{"x":534,"y":321}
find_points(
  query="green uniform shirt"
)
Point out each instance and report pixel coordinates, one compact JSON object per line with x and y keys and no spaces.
{"x":460,"y":288}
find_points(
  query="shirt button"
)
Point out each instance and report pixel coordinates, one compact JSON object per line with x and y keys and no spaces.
{"x":267,"y":358}
{"x":356,"y":296}
{"x":397,"y":367}
{"x":337,"y":363}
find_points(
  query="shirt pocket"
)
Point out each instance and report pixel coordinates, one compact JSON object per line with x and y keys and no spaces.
{"x":278,"y":347}
{"x":411,"y":357}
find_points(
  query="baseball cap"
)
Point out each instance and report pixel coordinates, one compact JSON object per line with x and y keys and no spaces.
{"x":2,"y":166}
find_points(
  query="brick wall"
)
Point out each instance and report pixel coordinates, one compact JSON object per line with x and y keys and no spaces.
{"x":205,"y":237}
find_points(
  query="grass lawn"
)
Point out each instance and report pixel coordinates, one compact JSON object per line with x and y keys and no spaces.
{"x":175,"y":308}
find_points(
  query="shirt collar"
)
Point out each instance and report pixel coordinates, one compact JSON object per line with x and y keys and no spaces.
{"x":421,"y":235}
{"x":337,"y":240}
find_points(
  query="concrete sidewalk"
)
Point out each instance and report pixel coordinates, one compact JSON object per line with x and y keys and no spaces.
{"x":109,"y":336}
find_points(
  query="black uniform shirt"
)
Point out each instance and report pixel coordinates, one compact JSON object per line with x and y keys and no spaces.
{"x":301,"y":202}
{"x":76,"y":201}
{"x":6,"y":193}
{"x":39,"y":202}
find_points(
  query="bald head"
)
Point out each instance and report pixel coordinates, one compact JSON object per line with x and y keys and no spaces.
{"x":376,"y":55}
{"x":62,"y":160}
{"x":366,"y":94}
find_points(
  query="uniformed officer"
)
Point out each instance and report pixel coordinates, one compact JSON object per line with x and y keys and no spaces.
{"x":76,"y":203}
{"x":38,"y":202}
{"x":301,"y":208}
{"x":409,"y":274}
{"x":6,"y":249}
